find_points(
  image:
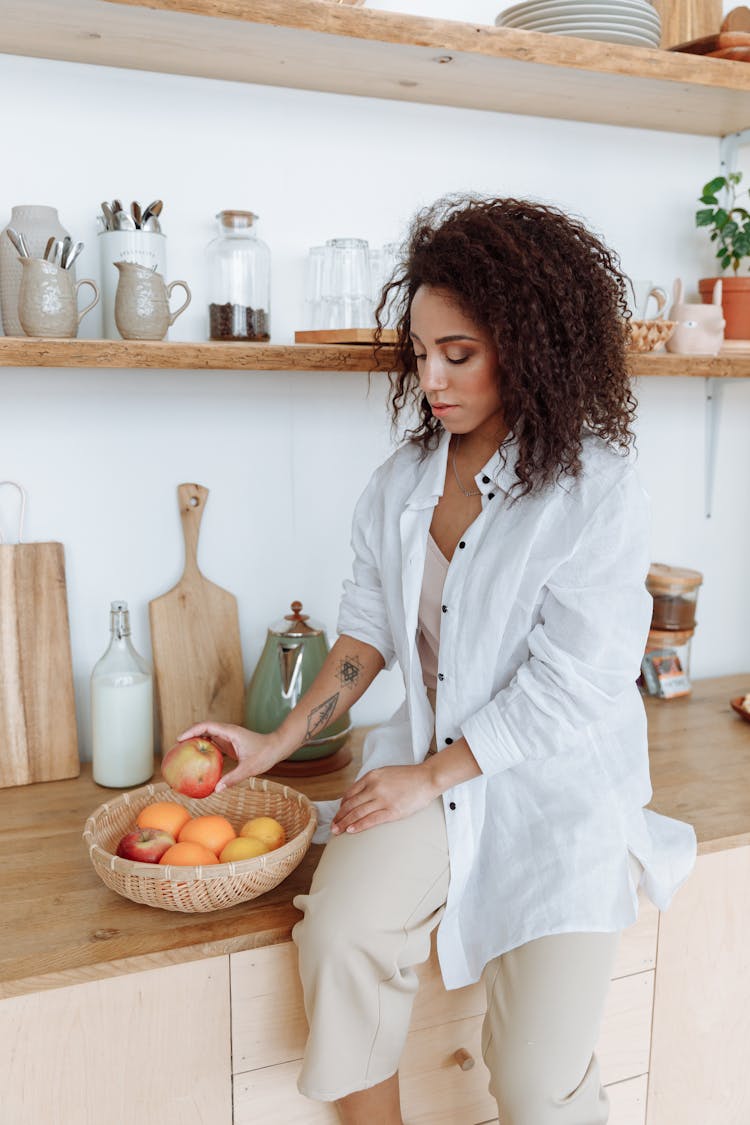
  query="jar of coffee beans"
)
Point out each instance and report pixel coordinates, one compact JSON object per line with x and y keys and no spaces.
{"x":675,"y":593}
{"x":239,"y":280}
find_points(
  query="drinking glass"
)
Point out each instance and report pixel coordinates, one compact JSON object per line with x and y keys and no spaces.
{"x":346,"y":284}
{"x":383,"y":260}
{"x":314,"y":288}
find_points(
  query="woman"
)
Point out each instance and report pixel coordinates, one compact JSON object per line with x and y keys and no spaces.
{"x":500,"y":556}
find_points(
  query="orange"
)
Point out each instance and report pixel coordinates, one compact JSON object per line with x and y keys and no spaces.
{"x":188,"y":855}
{"x":211,"y":831}
{"x":267,"y":829}
{"x":167,"y":815}
{"x":243,"y":848}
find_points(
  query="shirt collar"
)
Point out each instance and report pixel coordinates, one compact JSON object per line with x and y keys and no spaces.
{"x":500,"y":470}
{"x":493,"y":476}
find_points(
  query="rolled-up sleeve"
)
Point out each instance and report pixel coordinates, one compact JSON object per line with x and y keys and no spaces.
{"x":586,"y":649}
{"x":362,"y":611}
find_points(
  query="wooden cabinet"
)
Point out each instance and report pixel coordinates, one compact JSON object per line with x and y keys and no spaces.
{"x":269,"y":1031}
{"x":149,"y":1047}
{"x":701,"y":1033}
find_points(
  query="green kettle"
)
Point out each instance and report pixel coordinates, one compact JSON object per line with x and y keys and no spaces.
{"x":294,"y":653}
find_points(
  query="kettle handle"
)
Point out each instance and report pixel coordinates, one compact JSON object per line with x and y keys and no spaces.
{"x":290,"y":665}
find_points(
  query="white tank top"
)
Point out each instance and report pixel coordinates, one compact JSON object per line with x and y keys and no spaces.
{"x":430,"y":602}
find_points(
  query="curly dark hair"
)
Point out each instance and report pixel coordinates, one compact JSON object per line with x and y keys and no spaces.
{"x":552,"y":297}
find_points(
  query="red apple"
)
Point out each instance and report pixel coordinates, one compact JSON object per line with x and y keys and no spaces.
{"x":192,"y":767}
{"x":145,"y":845}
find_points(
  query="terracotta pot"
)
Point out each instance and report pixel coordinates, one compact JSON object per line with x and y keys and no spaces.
{"x":735,"y":301}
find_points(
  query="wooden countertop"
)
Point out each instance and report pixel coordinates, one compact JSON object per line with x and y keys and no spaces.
{"x":61,"y":925}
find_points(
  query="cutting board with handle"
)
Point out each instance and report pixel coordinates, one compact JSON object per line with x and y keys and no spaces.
{"x":38,"y":733}
{"x":195,"y":638}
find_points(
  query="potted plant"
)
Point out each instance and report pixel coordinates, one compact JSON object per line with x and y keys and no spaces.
{"x":730,"y":230}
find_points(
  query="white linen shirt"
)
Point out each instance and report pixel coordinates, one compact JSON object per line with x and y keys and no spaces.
{"x":545,"y":618}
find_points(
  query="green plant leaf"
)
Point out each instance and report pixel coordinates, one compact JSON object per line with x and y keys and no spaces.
{"x":709,"y":199}
{"x":726,"y":261}
{"x":704,"y":218}
{"x":714,"y":236}
{"x":730,"y":229}
{"x":715,"y":185}
{"x":735,"y":177}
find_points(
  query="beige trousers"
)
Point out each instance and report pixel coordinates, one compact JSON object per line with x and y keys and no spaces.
{"x":374,"y":900}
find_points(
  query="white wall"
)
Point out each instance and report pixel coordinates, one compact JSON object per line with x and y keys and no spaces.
{"x":285,"y":455}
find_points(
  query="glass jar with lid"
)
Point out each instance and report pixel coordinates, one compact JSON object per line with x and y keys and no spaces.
{"x":239,"y":281}
{"x":675,"y":593}
{"x":665,"y":669}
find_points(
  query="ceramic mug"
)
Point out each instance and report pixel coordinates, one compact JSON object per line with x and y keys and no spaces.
{"x":142,"y":303}
{"x":700,"y":328}
{"x":638,"y":296}
{"x":48,"y":300}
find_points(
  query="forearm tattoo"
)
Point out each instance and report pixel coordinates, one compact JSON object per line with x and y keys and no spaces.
{"x":349,"y":671}
{"x":320,"y":716}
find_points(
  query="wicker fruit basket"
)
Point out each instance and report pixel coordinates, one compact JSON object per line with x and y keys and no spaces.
{"x":213,"y":887}
{"x":645,"y":335}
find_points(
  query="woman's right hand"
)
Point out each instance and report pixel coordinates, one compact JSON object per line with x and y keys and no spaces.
{"x":255,"y":753}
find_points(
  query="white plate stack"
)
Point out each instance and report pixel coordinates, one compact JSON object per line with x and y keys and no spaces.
{"x":635,"y":22}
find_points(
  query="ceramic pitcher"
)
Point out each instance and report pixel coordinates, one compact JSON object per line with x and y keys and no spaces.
{"x":37,"y":224}
{"x":48,"y":300}
{"x":142,"y":303}
{"x":142,"y":248}
{"x":700,"y":328}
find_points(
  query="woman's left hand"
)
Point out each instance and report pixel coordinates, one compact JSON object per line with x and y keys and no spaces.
{"x":389,"y":793}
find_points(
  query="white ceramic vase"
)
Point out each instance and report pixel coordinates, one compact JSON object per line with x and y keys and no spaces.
{"x":37,"y":224}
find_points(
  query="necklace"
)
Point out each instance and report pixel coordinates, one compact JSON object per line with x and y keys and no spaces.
{"x":472,"y":492}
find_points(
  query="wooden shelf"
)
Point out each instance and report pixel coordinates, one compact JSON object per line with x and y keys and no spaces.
{"x":17,"y":351}
{"x":314,"y":45}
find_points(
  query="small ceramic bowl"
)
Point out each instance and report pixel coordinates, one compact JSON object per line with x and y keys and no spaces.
{"x":737,"y":706}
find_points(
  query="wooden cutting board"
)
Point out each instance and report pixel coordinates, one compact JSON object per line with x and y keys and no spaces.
{"x":725,"y":45}
{"x":38,"y":735}
{"x":344,"y":336}
{"x":195,"y":637}
{"x":684,"y":20}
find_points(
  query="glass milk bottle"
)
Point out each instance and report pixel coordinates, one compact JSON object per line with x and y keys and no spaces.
{"x":122,"y":710}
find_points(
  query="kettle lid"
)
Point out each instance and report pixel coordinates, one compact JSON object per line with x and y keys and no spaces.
{"x":295,"y":624}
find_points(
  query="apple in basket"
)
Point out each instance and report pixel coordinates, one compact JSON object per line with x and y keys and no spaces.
{"x":145,"y":845}
{"x":193,"y":767}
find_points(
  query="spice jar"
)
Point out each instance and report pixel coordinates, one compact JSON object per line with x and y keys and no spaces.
{"x":239,"y":280}
{"x":665,"y":669}
{"x":675,"y":593}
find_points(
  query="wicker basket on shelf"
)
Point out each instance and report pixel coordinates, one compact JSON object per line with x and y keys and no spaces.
{"x":645,"y":335}
{"x":213,"y":887}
